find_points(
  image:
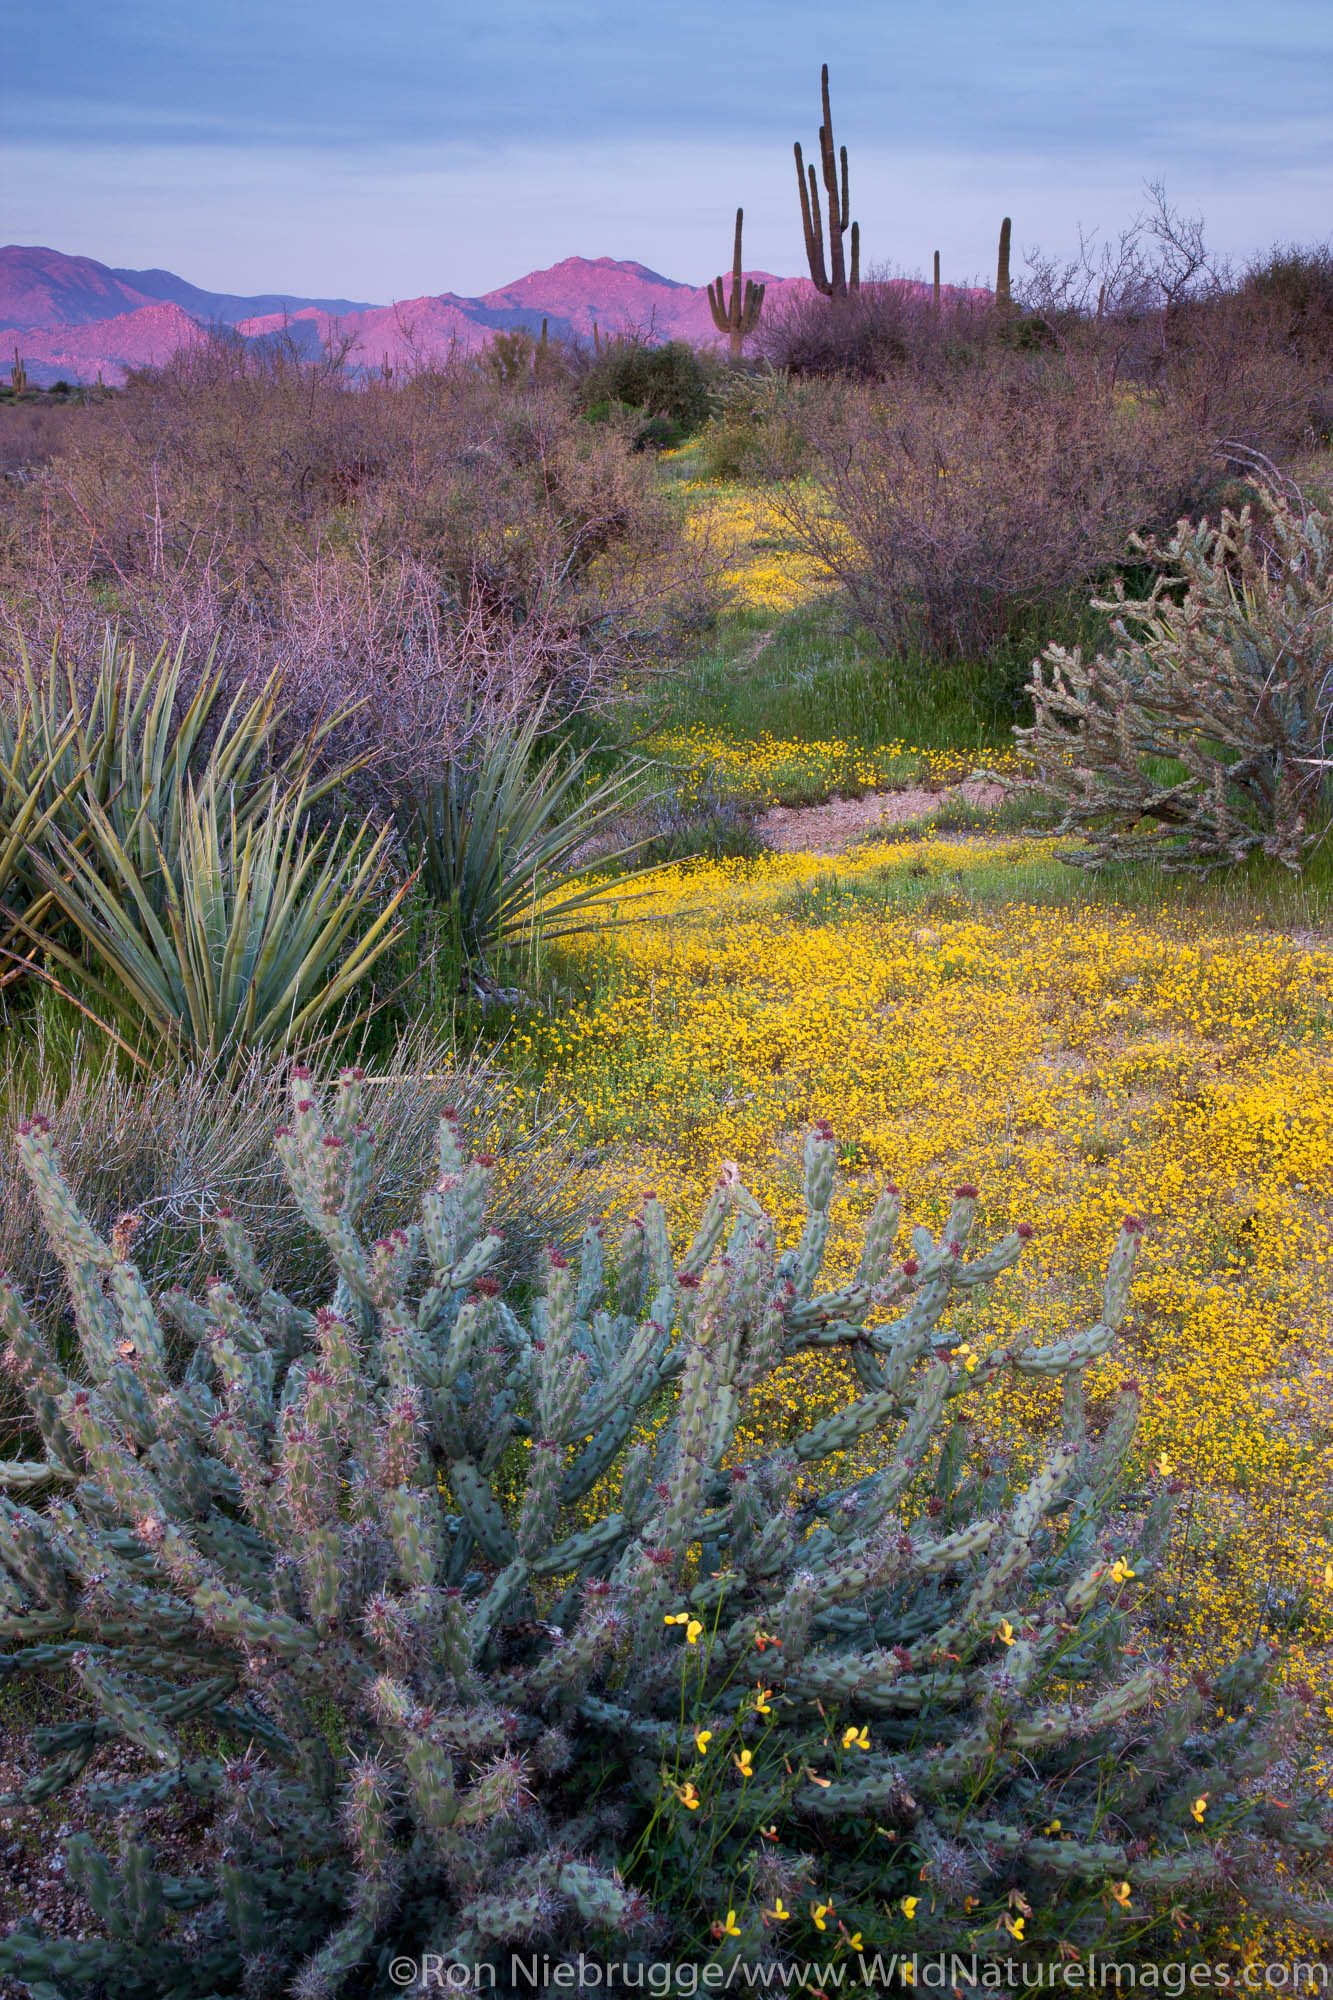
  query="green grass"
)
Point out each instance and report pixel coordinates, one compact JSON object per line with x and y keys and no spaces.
{"x":815,"y":673}
{"x":923,"y":876}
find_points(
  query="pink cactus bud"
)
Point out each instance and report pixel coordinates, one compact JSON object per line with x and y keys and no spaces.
{"x":485,"y":1161}
{"x":1133,"y":1226}
{"x":486,"y":1288}
{"x":965,"y":1193}
{"x":688,"y":1281}
{"x":332,"y":1142}
{"x":823,"y":1129}
{"x":301,"y":1072}
{"x":555,"y":1260}
{"x":305,"y":1104}
{"x":1025,"y":1232}
{"x":910,"y":1267}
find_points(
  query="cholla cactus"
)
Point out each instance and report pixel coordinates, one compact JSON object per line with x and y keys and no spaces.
{"x":444,"y":1591}
{"x":1205,"y":736}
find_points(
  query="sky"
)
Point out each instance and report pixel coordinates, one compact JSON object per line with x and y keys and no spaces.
{"x":385,"y":150}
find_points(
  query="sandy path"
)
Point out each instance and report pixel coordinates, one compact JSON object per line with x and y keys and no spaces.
{"x":842,"y":823}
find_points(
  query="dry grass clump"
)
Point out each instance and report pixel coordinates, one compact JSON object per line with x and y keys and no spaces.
{"x":164,"y":1150}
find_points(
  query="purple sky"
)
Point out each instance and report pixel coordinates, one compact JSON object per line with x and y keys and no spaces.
{"x":406,"y":147}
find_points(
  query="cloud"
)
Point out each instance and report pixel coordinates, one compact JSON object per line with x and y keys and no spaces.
{"x":406,"y":146}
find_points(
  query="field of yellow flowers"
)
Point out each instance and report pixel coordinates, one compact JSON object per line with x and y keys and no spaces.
{"x":1077,"y":1062}
{"x":767,"y":769}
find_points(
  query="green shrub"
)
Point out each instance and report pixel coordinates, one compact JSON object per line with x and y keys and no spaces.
{"x":1205,"y":736}
{"x":476,"y":1631}
{"x":112,"y":745}
{"x":668,"y":382}
{"x":754,"y":431}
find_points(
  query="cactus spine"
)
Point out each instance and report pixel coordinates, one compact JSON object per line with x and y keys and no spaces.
{"x":1003,"y":295}
{"x":831,"y":278}
{"x":738,"y":316}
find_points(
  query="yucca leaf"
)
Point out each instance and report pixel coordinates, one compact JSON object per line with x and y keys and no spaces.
{"x":499,"y":838}
{"x":246,"y":931}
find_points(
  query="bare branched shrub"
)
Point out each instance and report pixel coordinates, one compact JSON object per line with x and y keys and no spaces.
{"x":1205,"y":736}
{"x":449,"y":547}
{"x":944,"y":504}
{"x":890,"y":324}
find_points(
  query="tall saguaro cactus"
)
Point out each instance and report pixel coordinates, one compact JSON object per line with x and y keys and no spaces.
{"x":18,"y":374}
{"x":739,"y":315}
{"x":832,"y":279}
{"x":1004,"y":297}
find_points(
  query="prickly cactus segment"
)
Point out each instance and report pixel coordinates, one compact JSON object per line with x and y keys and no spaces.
{"x":427,"y":1594}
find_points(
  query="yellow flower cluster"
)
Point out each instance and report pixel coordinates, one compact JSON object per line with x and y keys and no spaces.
{"x":767,"y":769}
{"x":764,"y":570}
{"x":1077,"y":1064}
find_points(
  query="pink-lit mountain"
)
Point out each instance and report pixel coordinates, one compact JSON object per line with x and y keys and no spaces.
{"x":74,"y":317}
{"x":71,"y":316}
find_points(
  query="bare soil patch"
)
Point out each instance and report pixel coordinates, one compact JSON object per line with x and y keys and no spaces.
{"x":844,"y":823}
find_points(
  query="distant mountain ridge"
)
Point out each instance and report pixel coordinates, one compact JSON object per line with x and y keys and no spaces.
{"x":229,"y":307}
{"x":73,"y":317}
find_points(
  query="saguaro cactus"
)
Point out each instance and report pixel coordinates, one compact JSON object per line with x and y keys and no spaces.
{"x":739,"y":315}
{"x":1004,"y":298}
{"x":18,"y":374}
{"x":935,"y":290}
{"x":833,"y":280}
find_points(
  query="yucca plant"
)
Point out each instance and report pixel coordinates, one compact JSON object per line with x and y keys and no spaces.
{"x":120,"y":735}
{"x":504,"y":843}
{"x":122,"y":740}
{"x":35,"y":788}
{"x":221,"y":931}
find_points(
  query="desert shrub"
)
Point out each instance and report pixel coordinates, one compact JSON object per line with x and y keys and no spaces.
{"x":947,"y":506}
{"x":667,"y":383}
{"x":890,"y":324}
{"x":1205,"y":736}
{"x":356,"y":1584}
{"x":754,"y":432}
{"x":699,"y":816}
{"x":230,"y":933}
{"x":504,"y":842}
{"x":439,"y":549}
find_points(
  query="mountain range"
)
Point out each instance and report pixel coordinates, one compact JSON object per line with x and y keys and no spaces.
{"x":73,"y":318}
